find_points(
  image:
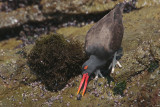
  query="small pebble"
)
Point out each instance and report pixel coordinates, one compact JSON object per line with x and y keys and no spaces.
{"x":79,"y":96}
{"x":68,"y":104}
{"x":102,"y":97}
{"x":89,"y":90}
{"x":96,"y":95}
{"x":61,"y":99}
{"x":99,"y":84}
{"x":71,"y":96}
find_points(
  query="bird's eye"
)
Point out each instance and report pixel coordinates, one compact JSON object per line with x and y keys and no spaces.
{"x":85,"y":67}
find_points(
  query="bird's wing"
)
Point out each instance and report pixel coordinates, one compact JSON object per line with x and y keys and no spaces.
{"x":106,"y":35}
{"x":118,"y":31}
{"x":98,"y":37}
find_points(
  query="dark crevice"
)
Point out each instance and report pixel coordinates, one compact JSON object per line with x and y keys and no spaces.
{"x":135,"y":74}
{"x":154,"y":63}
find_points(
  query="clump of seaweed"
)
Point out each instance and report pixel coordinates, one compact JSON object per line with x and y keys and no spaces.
{"x":56,"y":60}
{"x":119,"y":88}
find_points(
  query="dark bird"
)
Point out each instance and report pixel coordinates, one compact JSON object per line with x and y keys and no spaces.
{"x":102,"y":42}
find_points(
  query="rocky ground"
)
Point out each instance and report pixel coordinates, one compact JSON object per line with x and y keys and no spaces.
{"x":31,"y":18}
{"x":136,"y":84}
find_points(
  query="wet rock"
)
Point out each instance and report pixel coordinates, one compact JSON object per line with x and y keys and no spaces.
{"x":76,"y":7}
{"x":9,"y":5}
{"x":46,"y":10}
{"x":50,"y":7}
{"x":141,"y":51}
{"x":64,"y":12}
{"x":20,"y":16}
{"x":145,"y":3}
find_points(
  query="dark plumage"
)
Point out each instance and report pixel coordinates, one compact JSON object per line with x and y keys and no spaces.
{"x":102,"y":41}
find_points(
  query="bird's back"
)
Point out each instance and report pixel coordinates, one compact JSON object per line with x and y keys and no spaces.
{"x":105,"y":37}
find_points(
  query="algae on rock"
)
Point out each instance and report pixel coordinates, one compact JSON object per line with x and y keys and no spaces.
{"x":56,"y":60}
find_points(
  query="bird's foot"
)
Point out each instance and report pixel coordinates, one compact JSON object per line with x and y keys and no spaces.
{"x":114,"y":62}
{"x":98,"y":72}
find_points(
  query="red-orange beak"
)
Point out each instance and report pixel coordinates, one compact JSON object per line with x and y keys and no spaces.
{"x":85,"y":77}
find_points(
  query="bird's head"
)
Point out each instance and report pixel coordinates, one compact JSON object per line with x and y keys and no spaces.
{"x":89,"y":67}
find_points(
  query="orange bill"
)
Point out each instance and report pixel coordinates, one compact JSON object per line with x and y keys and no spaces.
{"x":85,"y":77}
{"x":85,"y":85}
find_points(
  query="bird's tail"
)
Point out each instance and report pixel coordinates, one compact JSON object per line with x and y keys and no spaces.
{"x":120,"y":6}
{"x":127,"y":6}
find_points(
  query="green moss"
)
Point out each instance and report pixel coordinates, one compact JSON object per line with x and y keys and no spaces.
{"x":76,"y":33}
{"x":56,"y":60}
{"x":119,"y":88}
{"x":153,"y":65}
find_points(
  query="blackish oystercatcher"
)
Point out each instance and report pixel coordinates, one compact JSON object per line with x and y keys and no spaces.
{"x":102,"y":43}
